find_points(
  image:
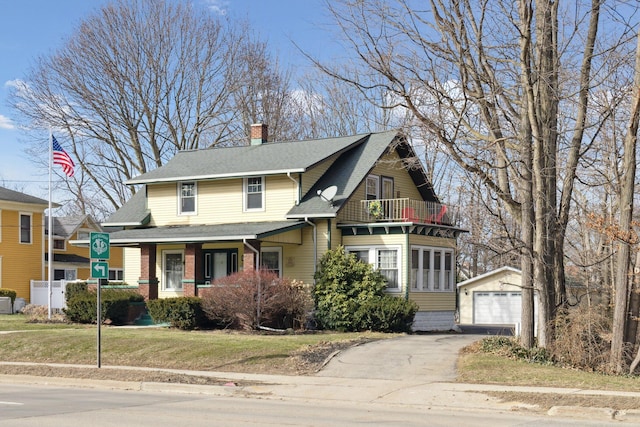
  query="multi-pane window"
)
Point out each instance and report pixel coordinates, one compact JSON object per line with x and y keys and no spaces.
{"x":271,"y":259}
{"x":65,"y":274}
{"x":432,"y":269}
{"x":172,"y":270}
{"x":116,"y":274}
{"x":25,"y":228}
{"x":372,"y":187}
{"x":187,"y":192}
{"x":58,"y":244}
{"x":384,"y":259}
{"x":254,"y":193}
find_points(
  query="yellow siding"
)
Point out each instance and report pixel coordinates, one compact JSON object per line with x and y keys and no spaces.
{"x":220,"y":202}
{"x":437,"y":242}
{"x":131,"y":265}
{"x":434,"y":301}
{"x":311,"y":176}
{"x":390,"y":165}
{"x":298,"y":260}
{"x":21,"y":262}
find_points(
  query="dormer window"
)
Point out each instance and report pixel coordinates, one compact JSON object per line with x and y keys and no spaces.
{"x":254,"y":193}
{"x":187,"y":192}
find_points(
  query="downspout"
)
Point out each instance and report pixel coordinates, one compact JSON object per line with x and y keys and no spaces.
{"x":315,"y":246}
{"x":297,"y":188}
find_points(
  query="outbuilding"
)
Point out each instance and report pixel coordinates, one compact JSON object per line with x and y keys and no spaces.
{"x":493,"y":298}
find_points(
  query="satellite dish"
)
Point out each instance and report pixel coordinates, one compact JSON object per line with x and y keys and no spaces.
{"x":328,"y":193}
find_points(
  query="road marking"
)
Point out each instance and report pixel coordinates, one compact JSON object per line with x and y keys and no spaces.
{"x":10,"y":403}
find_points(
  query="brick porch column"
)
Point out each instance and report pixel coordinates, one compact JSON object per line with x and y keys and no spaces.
{"x":193,"y":273}
{"x":249,"y":261}
{"x":148,"y":281}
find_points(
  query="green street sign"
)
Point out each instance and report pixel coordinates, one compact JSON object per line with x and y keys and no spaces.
{"x":99,"y":245}
{"x":99,"y":270}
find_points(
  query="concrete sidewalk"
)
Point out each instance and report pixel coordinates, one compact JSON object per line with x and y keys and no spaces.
{"x":411,"y":371}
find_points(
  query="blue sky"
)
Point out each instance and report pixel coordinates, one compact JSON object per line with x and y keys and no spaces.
{"x":31,"y":28}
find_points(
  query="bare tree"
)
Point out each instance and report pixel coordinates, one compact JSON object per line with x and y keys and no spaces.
{"x":505,"y":87}
{"x":137,"y":81}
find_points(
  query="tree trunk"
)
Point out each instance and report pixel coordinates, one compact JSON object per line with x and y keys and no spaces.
{"x":621,"y":297}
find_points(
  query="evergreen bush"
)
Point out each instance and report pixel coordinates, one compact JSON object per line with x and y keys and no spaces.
{"x":349,"y":296}
{"x":180,"y":312}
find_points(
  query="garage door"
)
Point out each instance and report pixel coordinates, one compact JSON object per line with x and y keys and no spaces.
{"x":497,"y":308}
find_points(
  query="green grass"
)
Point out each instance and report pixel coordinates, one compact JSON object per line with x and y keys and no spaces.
{"x":483,"y":368}
{"x":159,"y":347}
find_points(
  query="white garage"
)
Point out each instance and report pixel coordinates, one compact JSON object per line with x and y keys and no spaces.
{"x":493,"y":298}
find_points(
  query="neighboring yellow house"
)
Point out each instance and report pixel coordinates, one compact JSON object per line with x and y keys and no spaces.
{"x":21,"y":240}
{"x":209,"y":213}
{"x":73,"y":262}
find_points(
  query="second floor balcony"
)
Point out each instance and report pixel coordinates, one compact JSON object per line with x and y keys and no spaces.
{"x":400,"y":210}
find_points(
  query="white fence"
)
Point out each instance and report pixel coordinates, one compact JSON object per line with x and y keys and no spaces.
{"x":40,"y":293}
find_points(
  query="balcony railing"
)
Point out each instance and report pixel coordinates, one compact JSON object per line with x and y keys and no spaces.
{"x":400,"y":210}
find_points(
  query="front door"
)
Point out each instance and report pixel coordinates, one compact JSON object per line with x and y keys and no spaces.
{"x":219,"y":263}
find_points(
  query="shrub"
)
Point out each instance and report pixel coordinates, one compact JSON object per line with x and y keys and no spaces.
{"x":510,"y":347}
{"x":73,"y":288}
{"x":252,"y":299}
{"x":5,"y":292}
{"x":582,"y":338}
{"x":114,"y":305}
{"x":40,"y":314}
{"x":386,"y":314}
{"x":180,"y":312}
{"x":349,"y":296}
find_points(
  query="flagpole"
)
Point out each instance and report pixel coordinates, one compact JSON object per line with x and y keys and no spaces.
{"x":50,"y":226}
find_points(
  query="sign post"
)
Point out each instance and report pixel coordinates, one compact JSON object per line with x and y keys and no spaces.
{"x":99,"y":246}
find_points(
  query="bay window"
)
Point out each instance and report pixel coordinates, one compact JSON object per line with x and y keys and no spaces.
{"x":432,"y":269}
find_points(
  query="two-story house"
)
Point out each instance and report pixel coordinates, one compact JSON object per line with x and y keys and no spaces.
{"x":21,"y":240}
{"x":73,"y":262}
{"x":209,"y":213}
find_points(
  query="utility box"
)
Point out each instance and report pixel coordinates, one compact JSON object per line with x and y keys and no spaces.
{"x":5,"y":305}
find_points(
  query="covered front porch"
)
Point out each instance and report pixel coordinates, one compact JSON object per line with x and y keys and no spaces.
{"x":178,"y":260}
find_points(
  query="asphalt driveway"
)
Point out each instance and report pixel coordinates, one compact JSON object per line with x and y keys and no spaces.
{"x":424,"y":358}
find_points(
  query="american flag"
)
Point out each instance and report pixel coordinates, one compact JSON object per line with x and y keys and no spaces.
{"x":60,"y":157}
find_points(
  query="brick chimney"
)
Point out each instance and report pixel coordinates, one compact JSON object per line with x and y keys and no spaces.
{"x":258,"y":134}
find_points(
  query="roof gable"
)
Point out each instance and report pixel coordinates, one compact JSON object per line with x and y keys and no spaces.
{"x":350,"y":170}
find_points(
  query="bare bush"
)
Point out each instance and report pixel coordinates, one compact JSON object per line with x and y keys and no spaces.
{"x":583,"y":338}
{"x":255,"y":299}
{"x":40,"y":314}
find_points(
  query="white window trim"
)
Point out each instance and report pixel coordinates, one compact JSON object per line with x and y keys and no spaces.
{"x":116,"y":270}
{"x":245,"y":193}
{"x":366,"y":190}
{"x":64,"y":244}
{"x":164,"y":271}
{"x":30,"y":215}
{"x":277,"y":249}
{"x":195,"y":198}
{"x":419,"y":282}
{"x":373,"y":260}
{"x":74,"y":274}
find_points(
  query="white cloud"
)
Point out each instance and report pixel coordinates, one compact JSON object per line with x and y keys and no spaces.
{"x":217,"y":6}
{"x":5,"y":123}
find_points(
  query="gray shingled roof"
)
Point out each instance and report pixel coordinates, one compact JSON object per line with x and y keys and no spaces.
{"x":65,"y":226}
{"x":265,"y":159}
{"x":202,"y":233}
{"x":133,"y":213}
{"x":18,"y":197}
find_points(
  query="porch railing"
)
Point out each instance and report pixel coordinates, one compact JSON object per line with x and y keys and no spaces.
{"x":400,"y":210}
